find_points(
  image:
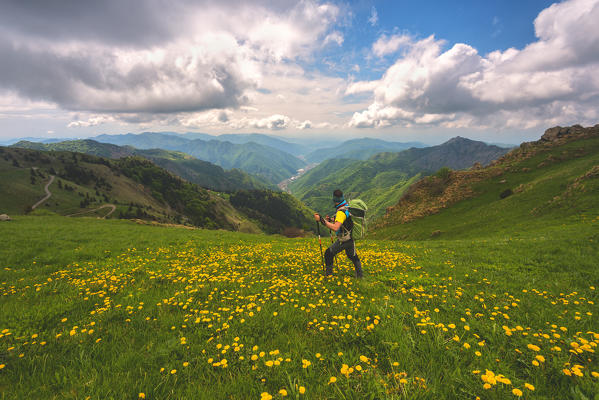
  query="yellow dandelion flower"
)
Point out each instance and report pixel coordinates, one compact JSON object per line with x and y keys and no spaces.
{"x":529,"y":387}
{"x":332,"y":379}
{"x":302,"y":390}
{"x":265,"y":396}
{"x":517,"y":392}
{"x":142,"y":395}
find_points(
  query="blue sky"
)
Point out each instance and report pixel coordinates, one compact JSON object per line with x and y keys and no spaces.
{"x":501,"y":71}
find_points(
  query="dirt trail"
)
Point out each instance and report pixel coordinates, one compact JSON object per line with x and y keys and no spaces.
{"x":112,"y":206}
{"x":48,"y":194}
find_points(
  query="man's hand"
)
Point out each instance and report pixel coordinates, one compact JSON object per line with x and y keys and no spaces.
{"x":320,"y":218}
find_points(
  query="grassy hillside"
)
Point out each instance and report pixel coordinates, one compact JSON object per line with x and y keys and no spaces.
{"x":267,"y":162}
{"x":382,"y":179}
{"x":111,"y":309}
{"x":203,"y":173}
{"x":539,"y":184}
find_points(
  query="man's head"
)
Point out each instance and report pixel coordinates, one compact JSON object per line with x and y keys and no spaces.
{"x":338,"y":197}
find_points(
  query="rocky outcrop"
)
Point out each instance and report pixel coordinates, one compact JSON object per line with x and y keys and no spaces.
{"x":558,"y":132}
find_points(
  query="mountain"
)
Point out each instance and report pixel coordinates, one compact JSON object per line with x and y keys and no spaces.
{"x":203,"y":173}
{"x":134,"y":187}
{"x":358,"y":149}
{"x":381,"y":180}
{"x":290,"y":147}
{"x":540,"y":184}
{"x":30,"y":139}
{"x":266,"y":140}
{"x":86,"y":146}
{"x":264,"y":161}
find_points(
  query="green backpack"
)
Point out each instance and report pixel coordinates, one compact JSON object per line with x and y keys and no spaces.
{"x":357,"y":210}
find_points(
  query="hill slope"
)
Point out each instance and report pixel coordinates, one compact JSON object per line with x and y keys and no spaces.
{"x":381,"y":180}
{"x":264,"y":161}
{"x":201,"y":172}
{"x":538,"y":184}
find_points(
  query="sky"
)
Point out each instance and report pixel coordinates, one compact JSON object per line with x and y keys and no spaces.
{"x":502,"y":71}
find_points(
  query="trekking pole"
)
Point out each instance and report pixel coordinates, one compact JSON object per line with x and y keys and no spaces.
{"x":320,"y":243}
{"x":333,"y":242}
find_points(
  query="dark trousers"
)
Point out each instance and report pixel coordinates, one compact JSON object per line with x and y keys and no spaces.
{"x":350,"y":250}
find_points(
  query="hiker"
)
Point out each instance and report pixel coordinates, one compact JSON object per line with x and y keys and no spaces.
{"x":342,"y":225}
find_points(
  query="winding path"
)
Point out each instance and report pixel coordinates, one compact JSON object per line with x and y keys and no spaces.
{"x":48,"y":193}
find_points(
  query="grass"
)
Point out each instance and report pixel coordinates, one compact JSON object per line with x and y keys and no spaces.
{"x":111,"y":309}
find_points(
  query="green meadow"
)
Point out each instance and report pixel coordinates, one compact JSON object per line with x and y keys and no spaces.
{"x":106,"y":309}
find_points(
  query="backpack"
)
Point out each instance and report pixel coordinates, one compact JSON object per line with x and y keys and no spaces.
{"x":357,"y":211}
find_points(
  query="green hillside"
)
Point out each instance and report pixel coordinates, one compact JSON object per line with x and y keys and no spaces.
{"x":269,"y":163}
{"x":381,"y":180}
{"x":540,"y":184}
{"x":203,"y":173}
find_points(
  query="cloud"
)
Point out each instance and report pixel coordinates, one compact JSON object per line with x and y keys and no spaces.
{"x":374,"y":17}
{"x":497,"y":27}
{"x":274,"y":122}
{"x":428,"y":85}
{"x":334,"y":37}
{"x":123,"y":56}
{"x":389,"y":45}
{"x":92,"y":121}
{"x":307,"y":124}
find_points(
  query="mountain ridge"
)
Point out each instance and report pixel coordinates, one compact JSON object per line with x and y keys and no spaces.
{"x":197,"y":171}
{"x":265,"y":161}
{"x":381,"y":180}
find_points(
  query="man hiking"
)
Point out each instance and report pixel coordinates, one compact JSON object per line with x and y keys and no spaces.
{"x":342,"y":225}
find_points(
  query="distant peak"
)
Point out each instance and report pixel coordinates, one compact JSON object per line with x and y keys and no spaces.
{"x":458,"y":139}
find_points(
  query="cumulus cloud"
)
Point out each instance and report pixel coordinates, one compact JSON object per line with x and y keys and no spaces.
{"x":388,"y":45}
{"x":307,"y":124}
{"x":124,"y":56}
{"x":92,"y":121}
{"x":428,"y":85}
{"x":274,"y":122}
